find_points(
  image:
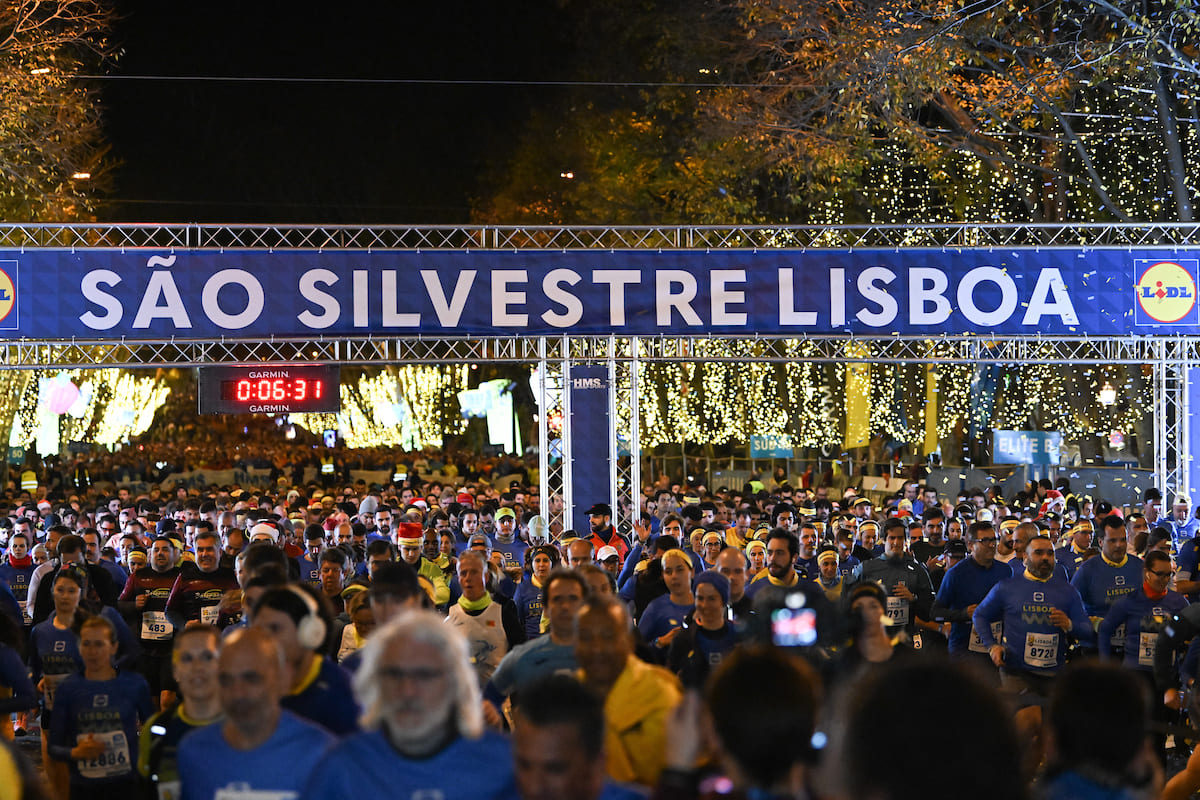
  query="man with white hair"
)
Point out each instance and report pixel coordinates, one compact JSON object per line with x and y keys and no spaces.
{"x":490,"y":623}
{"x":423,"y":732}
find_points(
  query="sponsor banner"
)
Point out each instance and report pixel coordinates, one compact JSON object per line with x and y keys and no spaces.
{"x":112,"y":294}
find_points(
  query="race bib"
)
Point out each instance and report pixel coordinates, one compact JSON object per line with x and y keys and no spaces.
{"x":977,"y":646}
{"x":210,"y":614}
{"x":1118,"y":637}
{"x":1147,"y":647}
{"x":169,"y":790}
{"x":1041,"y":650}
{"x":242,"y":791}
{"x":897,"y":610}
{"x":156,"y":627}
{"x":112,"y":762}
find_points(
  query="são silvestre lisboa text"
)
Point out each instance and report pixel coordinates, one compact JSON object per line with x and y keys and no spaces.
{"x":624,"y":300}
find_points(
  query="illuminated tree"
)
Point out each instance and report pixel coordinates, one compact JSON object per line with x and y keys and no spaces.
{"x":894,"y":111}
{"x":50,"y":127}
{"x":870,"y":111}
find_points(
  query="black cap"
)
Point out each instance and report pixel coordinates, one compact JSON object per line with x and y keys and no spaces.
{"x":956,"y":548}
{"x":600,"y":510}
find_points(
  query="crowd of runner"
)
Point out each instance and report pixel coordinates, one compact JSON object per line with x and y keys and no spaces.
{"x":421,"y":639}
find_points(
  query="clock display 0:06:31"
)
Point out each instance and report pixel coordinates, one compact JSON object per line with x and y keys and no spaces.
{"x":272,"y":390}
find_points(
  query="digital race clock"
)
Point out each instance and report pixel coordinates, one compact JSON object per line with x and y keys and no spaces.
{"x":269,"y":389}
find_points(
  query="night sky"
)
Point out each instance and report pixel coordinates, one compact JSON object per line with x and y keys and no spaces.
{"x":210,"y":151}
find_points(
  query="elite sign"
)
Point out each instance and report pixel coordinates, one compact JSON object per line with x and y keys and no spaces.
{"x":110,"y":294}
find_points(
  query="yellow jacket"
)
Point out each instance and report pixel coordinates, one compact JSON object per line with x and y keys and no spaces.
{"x":635,"y":714}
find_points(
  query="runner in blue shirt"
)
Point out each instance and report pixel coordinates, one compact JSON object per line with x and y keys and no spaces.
{"x":320,"y":690}
{"x":1105,"y":580}
{"x":423,"y":732}
{"x":963,"y":589}
{"x":95,"y":720}
{"x":54,"y":654}
{"x":259,"y":748}
{"x":17,"y":567}
{"x":1143,"y":614}
{"x":664,"y":616}
{"x":1072,"y":554}
{"x":194,"y":666}
{"x":528,"y":597}
{"x":1039,"y":610}
{"x":1183,"y":524}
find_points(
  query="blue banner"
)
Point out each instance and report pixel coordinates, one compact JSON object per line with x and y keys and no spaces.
{"x":112,"y":294}
{"x":591,"y":464}
{"x":1025,"y":447}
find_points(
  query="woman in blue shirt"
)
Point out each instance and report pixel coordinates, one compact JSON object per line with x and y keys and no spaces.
{"x":663,"y":618}
{"x":94,"y":724}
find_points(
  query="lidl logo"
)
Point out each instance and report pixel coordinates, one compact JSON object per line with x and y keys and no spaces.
{"x":1166,"y":293}
{"x":8,"y":295}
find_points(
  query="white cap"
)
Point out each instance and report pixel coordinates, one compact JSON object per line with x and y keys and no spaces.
{"x":265,"y":529}
{"x":606,"y":552}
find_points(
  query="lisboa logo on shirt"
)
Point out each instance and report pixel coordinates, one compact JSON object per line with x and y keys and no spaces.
{"x":1166,"y":292}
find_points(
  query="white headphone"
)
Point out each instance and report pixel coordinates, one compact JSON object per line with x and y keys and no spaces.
{"x":310,"y":630}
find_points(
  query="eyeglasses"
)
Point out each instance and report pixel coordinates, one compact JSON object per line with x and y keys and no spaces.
{"x":988,"y":540}
{"x":418,"y":675}
{"x":1166,"y":574}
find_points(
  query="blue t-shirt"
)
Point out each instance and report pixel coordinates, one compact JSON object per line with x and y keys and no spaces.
{"x":17,"y":579}
{"x":1187,"y":563}
{"x":54,"y":653}
{"x":15,"y":677}
{"x":1100,"y":584}
{"x":327,"y":701}
{"x":1182,"y":531}
{"x":1069,"y":559}
{"x":528,"y":662}
{"x":965,"y":585}
{"x":846,"y":565}
{"x":310,"y":571}
{"x":367,"y":766}
{"x":1137,"y":614}
{"x":513,"y":553}
{"x":528,"y":600}
{"x":1031,"y":642}
{"x":283,"y":763}
{"x":108,"y":710}
{"x":1074,"y":786}
{"x":808,"y":567}
{"x":661,"y":616}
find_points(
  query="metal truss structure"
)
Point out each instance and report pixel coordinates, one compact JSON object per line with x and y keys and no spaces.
{"x":591,"y":237}
{"x":1170,"y":357}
